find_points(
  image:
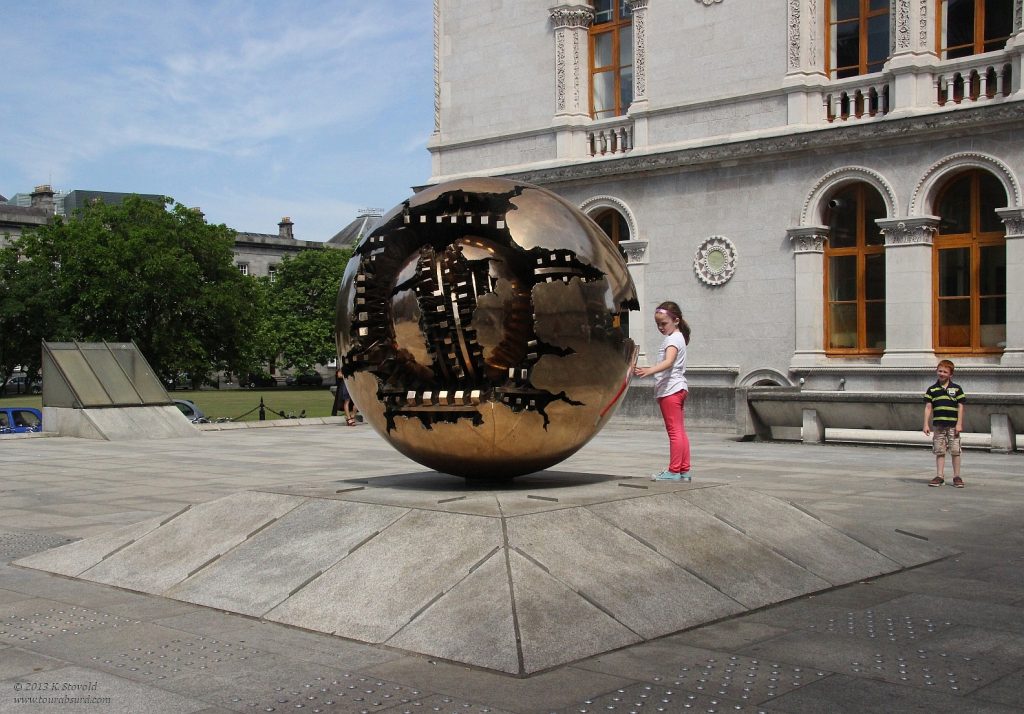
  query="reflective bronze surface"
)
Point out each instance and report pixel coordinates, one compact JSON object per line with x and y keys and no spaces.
{"x":478,"y":328}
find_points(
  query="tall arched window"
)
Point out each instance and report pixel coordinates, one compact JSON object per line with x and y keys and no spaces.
{"x":970,"y":27}
{"x":615,"y":227}
{"x":970,"y":265}
{"x":855,"y":272}
{"x":611,"y":58}
{"x":858,"y":36}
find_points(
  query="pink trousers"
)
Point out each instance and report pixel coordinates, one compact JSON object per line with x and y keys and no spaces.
{"x":672,"y":411}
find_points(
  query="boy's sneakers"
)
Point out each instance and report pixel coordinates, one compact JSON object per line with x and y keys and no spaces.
{"x":937,"y":481}
{"x":958,"y":482}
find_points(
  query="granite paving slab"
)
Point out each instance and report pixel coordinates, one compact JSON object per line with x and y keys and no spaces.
{"x":556,"y":623}
{"x":472,"y":622}
{"x":800,"y":537}
{"x":620,"y":574}
{"x":725,"y":557}
{"x":427,"y":554}
{"x":75,"y":558}
{"x":264,"y":570}
{"x":180,"y":547}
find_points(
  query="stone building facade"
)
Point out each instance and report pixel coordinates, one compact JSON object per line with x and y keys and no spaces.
{"x":830,"y":190}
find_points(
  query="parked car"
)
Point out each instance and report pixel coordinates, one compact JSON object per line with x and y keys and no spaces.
{"x":305,"y":379}
{"x":21,"y":383}
{"x":20,"y":420}
{"x":193,"y":413}
{"x":260,"y":379}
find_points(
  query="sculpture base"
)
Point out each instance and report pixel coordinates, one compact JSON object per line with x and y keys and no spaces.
{"x":518,"y":578}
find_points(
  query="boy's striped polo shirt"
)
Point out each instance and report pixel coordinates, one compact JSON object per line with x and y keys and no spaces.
{"x":945,"y":402}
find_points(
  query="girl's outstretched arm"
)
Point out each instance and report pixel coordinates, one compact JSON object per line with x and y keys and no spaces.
{"x":670,"y":359}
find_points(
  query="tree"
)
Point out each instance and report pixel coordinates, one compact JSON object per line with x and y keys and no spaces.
{"x":301,"y":305}
{"x":137,"y":271}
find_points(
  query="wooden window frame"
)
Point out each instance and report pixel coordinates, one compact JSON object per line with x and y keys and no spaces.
{"x":975,"y":240}
{"x":864,"y":15}
{"x":861,"y":250}
{"x":978,"y":42}
{"x":616,"y":27}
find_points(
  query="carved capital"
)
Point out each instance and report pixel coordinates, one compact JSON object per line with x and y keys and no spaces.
{"x":635,"y":250}
{"x":808,"y":239}
{"x":909,"y":231}
{"x":571,"y":16}
{"x":1013,"y":219}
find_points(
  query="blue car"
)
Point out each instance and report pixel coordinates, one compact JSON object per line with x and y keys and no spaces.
{"x":20,"y":420}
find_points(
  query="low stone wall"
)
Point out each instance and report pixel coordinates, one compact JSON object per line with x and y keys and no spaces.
{"x":709,"y":408}
{"x":814,"y":412}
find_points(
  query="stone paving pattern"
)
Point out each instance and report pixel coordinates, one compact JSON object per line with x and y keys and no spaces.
{"x":944,"y":637}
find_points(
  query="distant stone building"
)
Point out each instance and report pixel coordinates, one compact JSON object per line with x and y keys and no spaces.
{"x":260,"y":254}
{"x":15,"y":218}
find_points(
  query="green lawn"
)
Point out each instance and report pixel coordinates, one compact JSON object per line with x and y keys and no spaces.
{"x":234,"y":403}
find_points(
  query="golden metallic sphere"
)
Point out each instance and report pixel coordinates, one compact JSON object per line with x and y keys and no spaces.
{"x":478,"y":328}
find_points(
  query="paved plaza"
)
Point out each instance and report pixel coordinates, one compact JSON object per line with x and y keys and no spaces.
{"x":944,"y":637}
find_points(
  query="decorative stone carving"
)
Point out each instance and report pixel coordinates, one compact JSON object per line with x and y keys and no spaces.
{"x":635,"y":250}
{"x":808,"y":239}
{"x":901,"y":39}
{"x":909,"y":231}
{"x":829,"y":181}
{"x":571,"y":16}
{"x":708,"y":3}
{"x":923,"y":192}
{"x":1013,"y":219}
{"x":794,"y":34}
{"x":437,"y":66}
{"x":812,"y":36}
{"x":715,"y":261}
{"x":639,"y":8}
{"x":922,"y":23}
{"x":570,"y":23}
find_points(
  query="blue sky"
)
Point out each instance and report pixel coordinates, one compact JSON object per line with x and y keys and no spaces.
{"x":250,"y":110}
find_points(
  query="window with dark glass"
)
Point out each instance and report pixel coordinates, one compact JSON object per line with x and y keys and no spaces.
{"x":611,"y":58}
{"x":855,"y":272}
{"x":615,"y":227}
{"x":858,"y":36}
{"x":970,"y":27}
{"x":970,"y":266}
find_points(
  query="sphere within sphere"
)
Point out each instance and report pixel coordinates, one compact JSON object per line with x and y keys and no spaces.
{"x":478,"y":328}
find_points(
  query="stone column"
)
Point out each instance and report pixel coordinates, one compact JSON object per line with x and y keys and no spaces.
{"x":636,"y":263}
{"x":638,"y":107}
{"x":1015,"y":47}
{"x":808,"y":244}
{"x":908,"y":290}
{"x":912,"y":47}
{"x":572,"y":77}
{"x":1013,"y":219}
{"x":805,"y":62}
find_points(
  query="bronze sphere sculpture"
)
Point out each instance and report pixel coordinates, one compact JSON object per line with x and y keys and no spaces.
{"x":479,"y":331}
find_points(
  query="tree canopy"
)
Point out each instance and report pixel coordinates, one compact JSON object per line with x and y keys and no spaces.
{"x":298,"y":325}
{"x":137,"y":271}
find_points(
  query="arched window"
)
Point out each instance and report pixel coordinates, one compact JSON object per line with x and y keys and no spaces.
{"x":858,"y":36}
{"x":970,"y":265}
{"x":970,"y":27}
{"x":611,"y":58}
{"x":615,"y":227}
{"x":855,"y":272}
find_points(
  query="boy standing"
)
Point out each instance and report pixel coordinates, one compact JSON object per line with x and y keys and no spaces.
{"x":944,"y":420}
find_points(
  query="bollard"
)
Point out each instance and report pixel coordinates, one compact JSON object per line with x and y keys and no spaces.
{"x":263,"y":411}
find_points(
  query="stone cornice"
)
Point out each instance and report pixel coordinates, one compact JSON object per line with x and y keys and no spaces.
{"x":829,"y":138}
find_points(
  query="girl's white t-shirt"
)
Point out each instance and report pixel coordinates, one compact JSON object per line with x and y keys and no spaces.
{"x":673,"y":379}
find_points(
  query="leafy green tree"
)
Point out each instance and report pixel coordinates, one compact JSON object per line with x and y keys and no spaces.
{"x":18,"y":343}
{"x":138,"y":271}
{"x":299,"y":324}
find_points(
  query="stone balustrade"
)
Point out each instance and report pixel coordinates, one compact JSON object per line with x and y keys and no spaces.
{"x":858,"y":98}
{"x":974,"y":79}
{"x":613,"y":138}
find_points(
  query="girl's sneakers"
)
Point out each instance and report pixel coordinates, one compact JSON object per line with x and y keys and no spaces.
{"x":671,"y":476}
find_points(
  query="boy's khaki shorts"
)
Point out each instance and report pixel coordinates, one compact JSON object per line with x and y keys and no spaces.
{"x":945,"y":438}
